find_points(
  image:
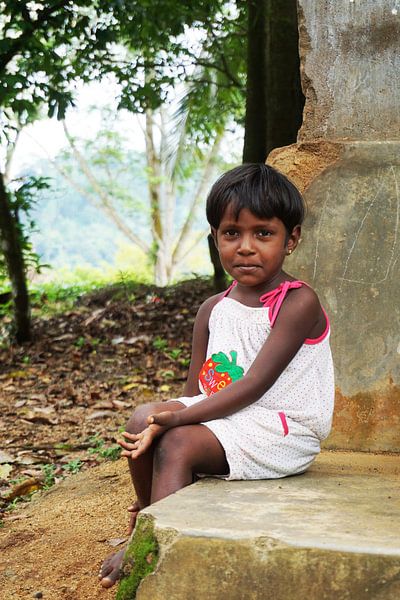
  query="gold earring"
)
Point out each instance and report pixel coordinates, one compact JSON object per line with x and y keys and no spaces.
{"x":289,"y":251}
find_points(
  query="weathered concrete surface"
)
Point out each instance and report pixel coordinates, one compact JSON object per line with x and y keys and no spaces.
{"x":332,"y":533}
{"x":347,"y":163}
{"x":350,"y":64}
{"x":350,"y":254}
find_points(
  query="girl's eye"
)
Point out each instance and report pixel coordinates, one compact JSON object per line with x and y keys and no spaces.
{"x":264,"y":233}
{"x":230,"y":233}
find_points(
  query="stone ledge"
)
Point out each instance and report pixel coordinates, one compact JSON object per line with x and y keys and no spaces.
{"x":331,"y":533}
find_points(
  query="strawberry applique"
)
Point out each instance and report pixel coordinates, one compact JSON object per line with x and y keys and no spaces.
{"x":219,"y":371}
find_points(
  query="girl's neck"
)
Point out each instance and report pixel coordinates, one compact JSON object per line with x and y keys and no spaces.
{"x":250,"y":295}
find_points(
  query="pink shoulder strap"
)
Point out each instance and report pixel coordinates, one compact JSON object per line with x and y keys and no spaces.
{"x":229,"y":289}
{"x":274,"y":299}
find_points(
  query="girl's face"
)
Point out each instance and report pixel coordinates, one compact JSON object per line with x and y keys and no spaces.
{"x":252,"y":249}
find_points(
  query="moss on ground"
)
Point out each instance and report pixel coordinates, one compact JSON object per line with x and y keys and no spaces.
{"x":140,"y":558}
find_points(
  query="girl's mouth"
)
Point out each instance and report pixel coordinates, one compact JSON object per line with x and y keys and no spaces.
{"x":247,"y":268}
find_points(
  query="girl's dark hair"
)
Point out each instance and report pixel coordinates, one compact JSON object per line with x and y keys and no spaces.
{"x":259,"y":188}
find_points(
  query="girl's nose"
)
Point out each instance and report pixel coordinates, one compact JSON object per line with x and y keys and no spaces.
{"x":246,"y":245}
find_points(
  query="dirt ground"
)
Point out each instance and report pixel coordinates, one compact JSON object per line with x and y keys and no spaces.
{"x":57,"y":542}
{"x":63,"y":399}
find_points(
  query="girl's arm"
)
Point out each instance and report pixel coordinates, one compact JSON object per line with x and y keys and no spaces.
{"x":199,"y":345}
{"x":298,"y":317}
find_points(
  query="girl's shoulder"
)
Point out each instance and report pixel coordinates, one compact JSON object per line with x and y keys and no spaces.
{"x":303,"y":303}
{"x":209,"y":304}
{"x":303,"y":295}
{"x":205,"y":309}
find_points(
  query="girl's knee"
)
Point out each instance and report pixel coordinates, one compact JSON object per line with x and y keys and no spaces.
{"x":174,"y":446}
{"x":138,"y":421}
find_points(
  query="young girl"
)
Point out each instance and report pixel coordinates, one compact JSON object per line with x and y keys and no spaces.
{"x":259,"y":395}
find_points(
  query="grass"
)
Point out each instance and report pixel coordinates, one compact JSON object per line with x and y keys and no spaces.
{"x":49,"y":470}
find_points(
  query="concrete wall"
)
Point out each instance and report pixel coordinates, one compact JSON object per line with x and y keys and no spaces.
{"x":347,"y":161}
{"x":350,"y":69}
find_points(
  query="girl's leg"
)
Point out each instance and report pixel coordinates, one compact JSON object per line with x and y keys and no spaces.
{"x":141,"y":470}
{"x":180,"y":453}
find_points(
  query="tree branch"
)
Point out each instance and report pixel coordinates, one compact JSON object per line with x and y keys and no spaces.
{"x":106,"y":201}
{"x":154,"y":176}
{"x":207,"y":175}
{"x":32,"y":27}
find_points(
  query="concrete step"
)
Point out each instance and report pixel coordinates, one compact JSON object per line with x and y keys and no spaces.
{"x":331,"y":533}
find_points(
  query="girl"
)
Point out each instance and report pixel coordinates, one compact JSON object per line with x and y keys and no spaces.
{"x":259,"y":395}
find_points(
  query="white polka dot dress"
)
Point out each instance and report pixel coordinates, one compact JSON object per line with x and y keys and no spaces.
{"x":279,"y":434}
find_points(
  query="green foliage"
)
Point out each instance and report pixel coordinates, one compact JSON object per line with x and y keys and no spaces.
{"x":49,"y":477}
{"x":174,"y":353}
{"x":99,"y":448}
{"x":46,"y":47}
{"x":140,"y":558}
{"x":73,"y":466}
{"x":160,"y":343}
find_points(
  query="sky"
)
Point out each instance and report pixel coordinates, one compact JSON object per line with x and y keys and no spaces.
{"x":45,"y":138}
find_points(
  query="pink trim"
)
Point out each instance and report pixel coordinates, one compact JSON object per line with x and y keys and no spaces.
{"x":273,"y":300}
{"x":282,"y":417}
{"x":234,"y":282}
{"x":319,"y":339}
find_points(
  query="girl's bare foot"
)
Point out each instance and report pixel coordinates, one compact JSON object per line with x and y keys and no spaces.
{"x":111,"y":569}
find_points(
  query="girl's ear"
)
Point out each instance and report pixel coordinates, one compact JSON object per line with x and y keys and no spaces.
{"x":293,"y":240}
{"x":214,"y":234}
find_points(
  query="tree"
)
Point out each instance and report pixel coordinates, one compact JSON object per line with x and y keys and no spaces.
{"x":274,"y":100}
{"x":104,"y":172}
{"x":47,"y":47}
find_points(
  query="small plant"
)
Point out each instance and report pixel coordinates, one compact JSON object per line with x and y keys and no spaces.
{"x":167,"y":374}
{"x":110,"y":453}
{"x":174,"y":353}
{"x":73,"y":466}
{"x":160,"y":343}
{"x":80,"y":342}
{"x":49,"y":477}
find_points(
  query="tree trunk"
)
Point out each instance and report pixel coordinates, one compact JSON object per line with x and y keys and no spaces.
{"x":11,"y":247}
{"x":274,"y":99}
{"x":220,"y":281}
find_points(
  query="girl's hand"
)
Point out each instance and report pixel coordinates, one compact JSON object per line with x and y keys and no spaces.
{"x":166,"y":419}
{"x":136,"y":444}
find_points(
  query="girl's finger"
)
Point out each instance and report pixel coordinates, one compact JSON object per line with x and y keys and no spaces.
{"x":126,"y":453}
{"x":130,"y":436}
{"x":128,"y":446}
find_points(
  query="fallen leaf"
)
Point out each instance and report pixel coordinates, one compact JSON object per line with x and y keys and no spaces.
{"x":41,"y":415}
{"x":20,"y":403}
{"x":105,"y":404}
{"x":18,"y":374}
{"x":5,"y":457}
{"x":130,"y":386}
{"x":164,"y":388}
{"x":65,"y":336}
{"x":138,"y":338}
{"x":100,"y":414}
{"x":25,"y":487}
{"x":94,"y":316}
{"x":120,"y":404}
{"x":38,"y":397}
{"x":5,"y":471}
{"x":116,"y":541}
{"x":117,"y":340}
